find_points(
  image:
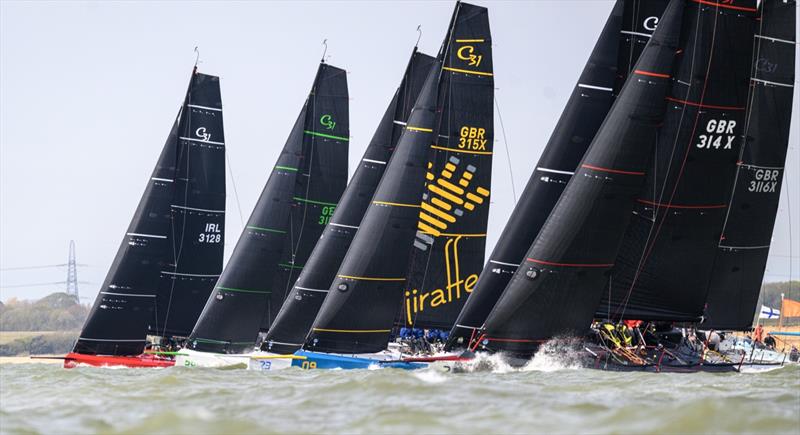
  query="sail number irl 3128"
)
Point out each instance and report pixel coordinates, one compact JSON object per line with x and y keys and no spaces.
{"x":211,"y":234}
{"x":719,"y":135}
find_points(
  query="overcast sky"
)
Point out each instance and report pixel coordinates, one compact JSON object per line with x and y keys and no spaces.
{"x":88,"y":92}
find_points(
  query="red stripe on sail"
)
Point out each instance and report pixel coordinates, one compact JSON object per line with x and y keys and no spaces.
{"x":614,"y":171}
{"x":704,"y":106}
{"x":551,"y":263}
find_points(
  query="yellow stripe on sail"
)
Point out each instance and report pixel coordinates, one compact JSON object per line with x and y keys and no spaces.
{"x":474,"y":198}
{"x":428,"y":229}
{"x":482,"y":153}
{"x":447,"y":195}
{"x":465,"y":71}
{"x":438,"y":202}
{"x":438,"y":213}
{"x":432,"y":220}
{"x":450,"y":186}
{"x":422,"y":129}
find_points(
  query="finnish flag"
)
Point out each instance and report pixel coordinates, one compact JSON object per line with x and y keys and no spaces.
{"x":769,"y":313}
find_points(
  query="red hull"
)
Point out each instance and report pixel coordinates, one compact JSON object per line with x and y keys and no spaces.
{"x":72,"y":360}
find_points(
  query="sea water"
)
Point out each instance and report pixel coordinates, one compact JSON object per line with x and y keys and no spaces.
{"x":543,"y":398}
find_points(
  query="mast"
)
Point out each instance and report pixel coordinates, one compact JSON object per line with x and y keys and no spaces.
{"x":298,"y":199}
{"x":747,"y":232}
{"x":665,"y":263}
{"x":359,"y":311}
{"x":172,"y":251}
{"x":297,"y":314}
{"x":557,"y":289}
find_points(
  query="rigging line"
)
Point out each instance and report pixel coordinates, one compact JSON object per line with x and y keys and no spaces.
{"x":650,"y":234}
{"x":49,"y":266}
{"x":235,"y":191}
{"x":508,"y":153}
{"x":419,"y":30}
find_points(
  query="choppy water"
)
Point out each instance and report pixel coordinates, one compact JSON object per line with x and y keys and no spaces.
{"x":48,"y":399}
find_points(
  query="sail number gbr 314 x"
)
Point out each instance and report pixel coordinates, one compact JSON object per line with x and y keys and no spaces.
{"x":718,"y":134}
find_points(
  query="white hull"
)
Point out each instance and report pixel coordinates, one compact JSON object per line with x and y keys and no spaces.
{"x":193,"y":358}
{"x":268,"y":362}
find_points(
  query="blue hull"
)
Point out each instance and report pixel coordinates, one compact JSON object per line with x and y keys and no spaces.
{"x":316,"y":360}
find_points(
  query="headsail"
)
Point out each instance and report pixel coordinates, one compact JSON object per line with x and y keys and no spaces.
{"x":293,"y":322}
{"x":558,"y":287}
{"x":747,"y":233}
{"x":172,"y":252}
{"x":359,"y":312}
{"x":297,"y":202}
{"x":665,"y":262}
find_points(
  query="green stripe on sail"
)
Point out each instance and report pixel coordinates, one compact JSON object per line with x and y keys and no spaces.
{"x":228,"y":289}
{"x":269,"y":230}
{"x":286,"y":168}
{"x":329,"y":136}
{"x":311,"y":201}
{"x":290,"y":266}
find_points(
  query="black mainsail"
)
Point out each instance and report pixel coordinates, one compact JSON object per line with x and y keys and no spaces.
{"x":558,"y":287}
{"x":747,"y":232}
{"x":665,"y":263}
{"x":293,"y":322}
{"x":172,"y":252}
{"x":359,"y":312}
{"x":296,"y":204}
{"x":450,"y":245}
{"x":624,"y":36}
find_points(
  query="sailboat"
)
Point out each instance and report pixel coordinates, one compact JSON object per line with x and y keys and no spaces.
{"x":293,"y":322}
{"x":743,"y":248}
{"x":171,"y":255}
{"x":627,"y":30}
{"x":623,"y":195}
{"x":434,"y":178}
{"x":297,"y":203}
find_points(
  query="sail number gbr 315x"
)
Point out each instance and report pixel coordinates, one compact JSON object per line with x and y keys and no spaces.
{"x":211,"y":234}
{"x":718,"y":134}
{"x":472,"y":138}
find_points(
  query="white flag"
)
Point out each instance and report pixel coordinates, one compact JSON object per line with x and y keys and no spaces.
{"x":768,"y":313}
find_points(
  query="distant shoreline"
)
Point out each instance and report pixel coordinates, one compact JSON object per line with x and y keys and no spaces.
{"x":28,"y":360}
